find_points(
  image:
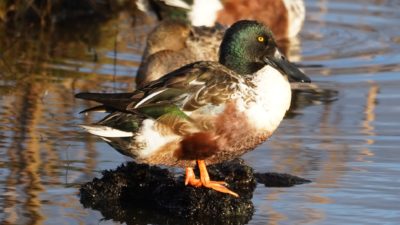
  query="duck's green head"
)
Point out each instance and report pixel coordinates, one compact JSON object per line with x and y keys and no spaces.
{"x":248,"y":46}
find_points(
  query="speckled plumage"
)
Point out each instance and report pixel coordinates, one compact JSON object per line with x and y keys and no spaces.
{"x":173,"y":44}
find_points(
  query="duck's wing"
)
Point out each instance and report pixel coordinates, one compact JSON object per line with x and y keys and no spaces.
{"x":201,"y":82}
{"x":109,"y":101}
{"x":169,"y":99}
{"x":188,"y":88}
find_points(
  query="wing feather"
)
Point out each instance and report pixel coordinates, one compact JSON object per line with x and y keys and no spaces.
{"x":186,"y":89}
{"x":192,"y":87}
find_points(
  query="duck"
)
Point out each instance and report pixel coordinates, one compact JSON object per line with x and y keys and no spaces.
{"x":205,"y":112}
{"x":175,"y":42}
{"x":284,"y":17}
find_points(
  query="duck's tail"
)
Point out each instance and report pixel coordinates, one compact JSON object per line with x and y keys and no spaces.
{"x":109,"y":101}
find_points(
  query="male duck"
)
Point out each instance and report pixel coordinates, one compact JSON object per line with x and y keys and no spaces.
{"x":284,"y":17}
{"x":204,"y":112}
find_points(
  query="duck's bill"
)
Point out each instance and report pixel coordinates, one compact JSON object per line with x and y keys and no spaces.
{"x":279,"y":62}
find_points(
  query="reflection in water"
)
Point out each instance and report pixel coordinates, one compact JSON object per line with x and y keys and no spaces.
{"x":344,"y":138}
{"x":27,"y":158}
{"x":39,"y":117}
{"x":369,"y":114}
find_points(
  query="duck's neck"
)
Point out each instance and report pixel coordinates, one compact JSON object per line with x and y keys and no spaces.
{"x":235,"y":61}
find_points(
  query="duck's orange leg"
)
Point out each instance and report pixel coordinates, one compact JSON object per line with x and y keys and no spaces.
{"x":205,"y":180}
{"x":190,"y":178}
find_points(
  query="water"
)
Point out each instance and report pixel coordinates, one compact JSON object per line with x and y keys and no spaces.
{"x":348,"y":147}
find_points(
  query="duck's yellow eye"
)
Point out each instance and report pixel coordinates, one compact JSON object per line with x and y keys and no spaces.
{"x":260,"y":39}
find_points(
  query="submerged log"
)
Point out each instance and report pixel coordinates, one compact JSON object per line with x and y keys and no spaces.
{"x":142,"y":194}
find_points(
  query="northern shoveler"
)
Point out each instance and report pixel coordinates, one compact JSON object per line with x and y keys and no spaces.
{"x":205,"y":112}
{"x":284,"y":17}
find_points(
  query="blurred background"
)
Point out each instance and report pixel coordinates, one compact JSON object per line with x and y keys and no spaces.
{"x":343,"y":134}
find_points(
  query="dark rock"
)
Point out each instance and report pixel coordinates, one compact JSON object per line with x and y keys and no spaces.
{"x":279,"y":179}
{"x":142,"y":194}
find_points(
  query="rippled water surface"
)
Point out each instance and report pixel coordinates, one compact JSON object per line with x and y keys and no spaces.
{"x":345,"y":137}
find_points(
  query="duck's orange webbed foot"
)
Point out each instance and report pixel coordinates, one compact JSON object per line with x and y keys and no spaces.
{"x":205,"y":180}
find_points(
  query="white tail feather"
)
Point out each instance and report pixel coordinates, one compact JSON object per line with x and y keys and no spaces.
{"x":104,"y":131}
{"x":177,"y":3}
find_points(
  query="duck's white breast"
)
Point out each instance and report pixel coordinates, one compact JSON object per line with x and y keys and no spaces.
{"x":272,"y":99}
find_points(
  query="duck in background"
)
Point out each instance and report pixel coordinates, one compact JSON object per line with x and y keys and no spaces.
{"x":190,"y":33}
{"x":284,"y":17}
{"x":173,"y":44}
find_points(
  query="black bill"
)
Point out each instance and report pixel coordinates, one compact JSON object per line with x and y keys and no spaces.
{"x":279,"y":62}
